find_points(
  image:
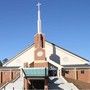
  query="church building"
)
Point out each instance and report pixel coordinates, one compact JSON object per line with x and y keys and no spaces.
{"x":43,"y":63}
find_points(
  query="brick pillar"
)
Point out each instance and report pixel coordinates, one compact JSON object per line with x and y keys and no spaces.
{"x":26,"y":84}
{"x":39,"y":41}
{"x":11,"y":76}
{"x":75,"y":73}
{"x":46,"y":84}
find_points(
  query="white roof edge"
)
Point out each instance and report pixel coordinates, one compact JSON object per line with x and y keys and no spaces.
{"x":49,"y":43}
{"x":68,"y":51}
{"x":18,"y":54}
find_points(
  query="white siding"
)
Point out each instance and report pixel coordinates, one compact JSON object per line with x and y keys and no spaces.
{"x":19,"y":60}
{"x":54,"y":53}
{"x":65,"y":57}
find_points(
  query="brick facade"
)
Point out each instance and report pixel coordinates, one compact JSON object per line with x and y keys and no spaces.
{"x":39,"y":41}
{"x":8,"y":75}
{"x":26,"y":84}
{"x":41,"y":64}
{"x":84,"y":75}
{"x":69,"y":73}
{"x":39,"y":60}
{"x":81,"y":74}
{"x":36,"y":57}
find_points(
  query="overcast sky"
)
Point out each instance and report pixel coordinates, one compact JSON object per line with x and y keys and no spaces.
{"x":65,"y":23}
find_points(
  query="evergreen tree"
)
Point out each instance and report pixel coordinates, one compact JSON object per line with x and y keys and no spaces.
{"x":4,"y":60}
{"x":0,"y":63}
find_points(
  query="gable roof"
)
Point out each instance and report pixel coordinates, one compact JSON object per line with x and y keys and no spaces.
{"x":30,"y":46}
{"x":68,"y":51}
{"x":20,"y":53}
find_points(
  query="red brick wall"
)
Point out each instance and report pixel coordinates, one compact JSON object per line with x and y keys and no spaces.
{"x":8,"y":75}
{"x":15,"y":74}
{"x":85,"y":77}
{"x":41,"y":64}
{"x":39,"y":57}
{"x":39,"y":41}
{"x":27,"y":84}
{"x":31,"y":65}
{"x":5,"y":76}
{"x":70,"y":74}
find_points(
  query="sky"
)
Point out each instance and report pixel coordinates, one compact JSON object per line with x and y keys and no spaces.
{"x":64,"y":22}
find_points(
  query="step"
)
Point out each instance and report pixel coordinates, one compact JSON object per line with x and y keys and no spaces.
{"x":60,"y":84}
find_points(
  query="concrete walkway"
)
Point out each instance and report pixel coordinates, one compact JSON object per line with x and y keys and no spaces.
{"x":56,"y":83}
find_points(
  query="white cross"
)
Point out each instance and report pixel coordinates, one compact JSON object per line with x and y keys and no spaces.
{"x":38,"y":5}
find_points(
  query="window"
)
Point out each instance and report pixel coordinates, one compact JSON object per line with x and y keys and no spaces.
{"x":1,"y":77}
{"x":67,"y":71}
{"x":11,"y":75}
{"x":82,"y":71}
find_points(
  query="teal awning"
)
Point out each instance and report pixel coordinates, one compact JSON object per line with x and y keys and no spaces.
{"x":35,"y":72}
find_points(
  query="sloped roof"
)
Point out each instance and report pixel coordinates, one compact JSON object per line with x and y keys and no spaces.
{"x":68,"y":51}
{"x":77,"y":66}
{"x":30,"y":46}
{"x":20,"y":53}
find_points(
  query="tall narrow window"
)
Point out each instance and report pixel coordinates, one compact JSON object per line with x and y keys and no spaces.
{"x":11,"y":75}
{"x":82,"y":71}
{"x":1,"y":77}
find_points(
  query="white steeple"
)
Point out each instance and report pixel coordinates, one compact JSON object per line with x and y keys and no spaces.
{"x":39,"y":26}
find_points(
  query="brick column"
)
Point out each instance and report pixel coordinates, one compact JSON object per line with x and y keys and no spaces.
{"x":26,"y":84}
{"x":11,"y":75}
{"x":75,"y":73}
{"x":46,"y":84}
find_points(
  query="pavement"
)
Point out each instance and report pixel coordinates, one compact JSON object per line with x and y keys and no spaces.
{"x":56,"y":83}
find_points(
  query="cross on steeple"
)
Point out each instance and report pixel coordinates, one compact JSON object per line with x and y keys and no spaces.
{"x":39,"y":26}
{"x":38,"y":5}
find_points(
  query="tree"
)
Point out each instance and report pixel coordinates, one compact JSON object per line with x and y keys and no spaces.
{"x":4,"y":60}
{"x":0,"y":63}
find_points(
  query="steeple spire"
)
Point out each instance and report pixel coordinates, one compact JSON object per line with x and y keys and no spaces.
{"x":39,"y":26}
{"x":39,"y":37}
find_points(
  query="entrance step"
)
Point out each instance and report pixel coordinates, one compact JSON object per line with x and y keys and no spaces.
{"x":56,"y":83}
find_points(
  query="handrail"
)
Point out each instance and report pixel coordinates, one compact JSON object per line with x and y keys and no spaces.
{"x":12,"y":81}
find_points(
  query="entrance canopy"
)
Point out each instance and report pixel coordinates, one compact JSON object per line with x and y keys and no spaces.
{"x":35,"y":72}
